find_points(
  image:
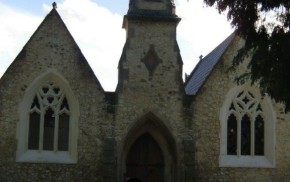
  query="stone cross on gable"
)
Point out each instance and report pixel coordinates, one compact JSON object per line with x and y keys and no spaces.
{"x":54,"y":5}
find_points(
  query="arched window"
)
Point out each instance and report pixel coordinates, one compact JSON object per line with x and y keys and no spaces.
{"x":247,"y":129}
{"x":47,"y":130}
{"x":245,"y":126}
{"x":49,"y":119}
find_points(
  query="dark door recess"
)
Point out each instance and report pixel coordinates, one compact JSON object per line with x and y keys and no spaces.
{"x":145,"y":160}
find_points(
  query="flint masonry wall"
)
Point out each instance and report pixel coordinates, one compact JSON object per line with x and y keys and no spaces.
{"x":207,"y":105}
{"x":145,"y":87}
{"x":51,"y":47}
{"x":105,"y":118}
{"x":149,"y":98}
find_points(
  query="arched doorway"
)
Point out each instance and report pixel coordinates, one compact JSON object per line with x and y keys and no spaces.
{"x":149,"y":133}
{"x":145,"y":160}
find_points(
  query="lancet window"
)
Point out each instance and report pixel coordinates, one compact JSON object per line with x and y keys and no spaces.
{"x":49,"y":119}
{"x":245,"y":126}
{"x":247,"y":137}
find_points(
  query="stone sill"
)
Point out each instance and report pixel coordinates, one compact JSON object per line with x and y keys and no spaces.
{"x":245,"y":161}
{"x":34,"y":156}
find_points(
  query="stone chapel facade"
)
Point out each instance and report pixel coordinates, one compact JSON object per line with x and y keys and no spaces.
{"x":58,"y":124}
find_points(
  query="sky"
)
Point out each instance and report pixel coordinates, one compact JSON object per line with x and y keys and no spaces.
{"x":96,"y":26}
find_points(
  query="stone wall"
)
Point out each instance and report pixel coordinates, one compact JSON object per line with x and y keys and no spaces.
{"x":147,"y":42}
{"x":150,"y":95}
{"x":109,"y":122}
{"x":207,"y":105}
{"x":51,"y":47}
{"x":149,"y":99}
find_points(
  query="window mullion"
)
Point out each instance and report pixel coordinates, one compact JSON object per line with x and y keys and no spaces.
{"x":252,"y":136}
{"x":41,"y":128}
{"x":55,"y":142}
{"x":239,"y":136}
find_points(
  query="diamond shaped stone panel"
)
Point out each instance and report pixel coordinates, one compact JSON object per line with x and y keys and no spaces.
{"x":151,"y":60}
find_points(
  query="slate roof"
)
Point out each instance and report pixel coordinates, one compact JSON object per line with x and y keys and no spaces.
{"x":202,"y":70}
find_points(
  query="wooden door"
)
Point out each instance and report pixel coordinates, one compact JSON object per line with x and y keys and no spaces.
{"x":145,"y":160}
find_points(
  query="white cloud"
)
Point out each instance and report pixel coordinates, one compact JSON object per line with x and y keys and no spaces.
{"x":16,"y":29}
{"x":97,"y":31}
{"x":200,"y":30}
{"x":100,"y":36}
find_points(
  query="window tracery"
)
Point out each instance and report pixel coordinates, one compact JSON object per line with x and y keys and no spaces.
{"x":247,"y":129}
{"x":49,"y":119}
{"x":47,"y":130}
{"x":245,"y":126}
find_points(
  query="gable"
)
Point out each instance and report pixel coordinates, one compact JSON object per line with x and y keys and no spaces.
{"x":51,"y":46}
{"x":205,"y":66}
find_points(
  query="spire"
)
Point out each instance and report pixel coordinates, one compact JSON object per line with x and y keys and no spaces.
{"x":54,"y":5}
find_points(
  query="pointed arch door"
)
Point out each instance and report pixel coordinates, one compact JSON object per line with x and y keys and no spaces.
{"x":145,"y":160}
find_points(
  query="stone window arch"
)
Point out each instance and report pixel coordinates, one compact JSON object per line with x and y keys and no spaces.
{"x":247,"y":129}
{"x":48,"y":126}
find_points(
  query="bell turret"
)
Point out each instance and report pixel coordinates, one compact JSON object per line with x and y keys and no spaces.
{"x":151,"y":56}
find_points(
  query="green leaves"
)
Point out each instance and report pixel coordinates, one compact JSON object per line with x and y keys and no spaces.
{"x":268,"y":47}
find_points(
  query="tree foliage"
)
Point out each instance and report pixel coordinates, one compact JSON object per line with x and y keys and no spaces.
{"x":264,"y":25}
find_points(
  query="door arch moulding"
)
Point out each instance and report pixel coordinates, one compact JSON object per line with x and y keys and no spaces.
{"x":150,"y":124}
